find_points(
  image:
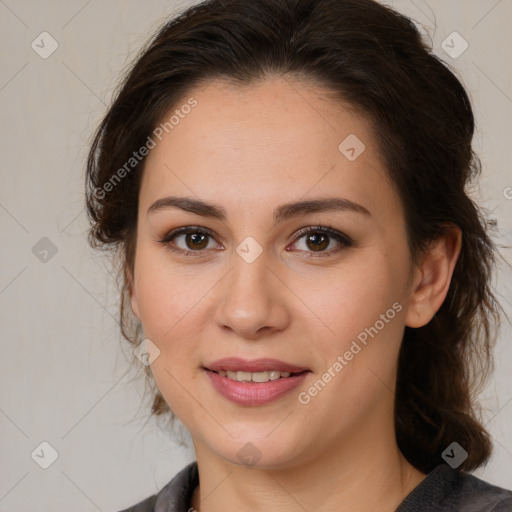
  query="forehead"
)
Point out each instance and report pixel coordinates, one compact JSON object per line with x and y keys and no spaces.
{"x":278,"y":139}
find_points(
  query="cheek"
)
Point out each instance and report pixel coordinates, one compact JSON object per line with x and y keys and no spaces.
{"x":356,"y":357}
{"x":168,"y":295}
{"x":170,"y":308}
{"x":364,"y":311}
{"x":352,"y":297}
{"x":174,"y":307}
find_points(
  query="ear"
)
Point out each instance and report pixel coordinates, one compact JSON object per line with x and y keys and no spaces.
{"x":432,"y":277}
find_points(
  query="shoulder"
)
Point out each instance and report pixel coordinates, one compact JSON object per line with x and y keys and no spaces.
{"x":446,"y":489}
{"x":474,"y":492}
{"x":175,"y":496}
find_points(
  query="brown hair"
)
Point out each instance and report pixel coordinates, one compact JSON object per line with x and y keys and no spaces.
{"x":373,"y":58}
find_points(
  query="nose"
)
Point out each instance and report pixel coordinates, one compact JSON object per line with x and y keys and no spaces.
{"x":252,"y":301}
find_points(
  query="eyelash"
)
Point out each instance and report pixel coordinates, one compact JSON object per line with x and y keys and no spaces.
{"x":341,"y":238}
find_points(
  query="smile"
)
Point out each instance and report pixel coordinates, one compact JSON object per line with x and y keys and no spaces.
{"x":241,"y":376}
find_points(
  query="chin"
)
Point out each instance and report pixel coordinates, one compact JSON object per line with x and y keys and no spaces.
{"x":260,"y":453}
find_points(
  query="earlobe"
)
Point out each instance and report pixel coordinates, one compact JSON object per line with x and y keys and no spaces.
{"x":432,"y":277}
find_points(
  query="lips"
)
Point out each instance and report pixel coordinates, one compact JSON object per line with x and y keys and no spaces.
{"x":250,"y":393}
{"x":254,"y":366}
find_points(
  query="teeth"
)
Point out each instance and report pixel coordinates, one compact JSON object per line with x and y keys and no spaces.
{"x":253,"y":376}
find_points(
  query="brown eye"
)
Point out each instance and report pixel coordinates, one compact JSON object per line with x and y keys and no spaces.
{"x":318,"y":240}
{"x":196,"y":240}
{"x":188,"y":240}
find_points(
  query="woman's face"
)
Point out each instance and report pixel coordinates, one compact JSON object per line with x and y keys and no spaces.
{"x":252,"y":285}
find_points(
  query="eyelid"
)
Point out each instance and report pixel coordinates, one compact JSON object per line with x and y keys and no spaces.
{"x":343,"y":239}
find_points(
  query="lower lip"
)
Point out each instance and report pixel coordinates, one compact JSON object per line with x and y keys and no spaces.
{"x":254,"y":393}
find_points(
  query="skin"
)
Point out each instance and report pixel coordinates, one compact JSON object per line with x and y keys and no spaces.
{"x":249,"y":150}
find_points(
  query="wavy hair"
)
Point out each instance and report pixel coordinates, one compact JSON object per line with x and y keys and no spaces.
{"x":374,"y":58}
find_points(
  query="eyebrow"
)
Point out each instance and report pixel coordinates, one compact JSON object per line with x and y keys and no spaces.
{"x":281,"y":213}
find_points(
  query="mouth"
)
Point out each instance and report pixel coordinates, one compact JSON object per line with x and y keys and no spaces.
{"x":254,"y":383}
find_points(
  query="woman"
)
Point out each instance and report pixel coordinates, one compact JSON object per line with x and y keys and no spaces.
{"x":284,"y":181}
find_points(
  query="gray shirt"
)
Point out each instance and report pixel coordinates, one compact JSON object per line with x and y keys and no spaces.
{"x":443,"y":490}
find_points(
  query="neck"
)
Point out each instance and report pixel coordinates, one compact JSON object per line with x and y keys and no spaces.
{"x":357,"y":475}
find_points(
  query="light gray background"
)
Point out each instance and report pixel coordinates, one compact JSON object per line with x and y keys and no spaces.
{"x":62,"y":365}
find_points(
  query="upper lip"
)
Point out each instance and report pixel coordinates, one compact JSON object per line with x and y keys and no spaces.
{"x":256,"y":365}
